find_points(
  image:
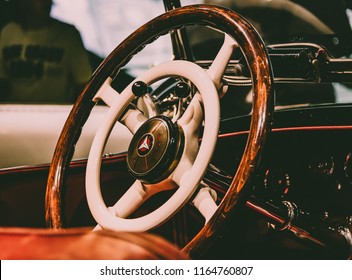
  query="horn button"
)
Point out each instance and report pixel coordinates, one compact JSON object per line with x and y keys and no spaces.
{"x":155,"y":150}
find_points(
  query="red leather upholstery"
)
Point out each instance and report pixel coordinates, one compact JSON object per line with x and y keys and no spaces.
{"x":82,"y":243}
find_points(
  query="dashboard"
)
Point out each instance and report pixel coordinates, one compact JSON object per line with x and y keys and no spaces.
{"x":303,"y":185}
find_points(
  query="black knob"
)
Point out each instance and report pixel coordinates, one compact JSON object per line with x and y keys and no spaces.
{"x":182,"y":89}
{"x":139,"y":88}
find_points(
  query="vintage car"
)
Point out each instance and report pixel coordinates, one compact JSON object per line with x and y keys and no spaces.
{"x":237,"y":148}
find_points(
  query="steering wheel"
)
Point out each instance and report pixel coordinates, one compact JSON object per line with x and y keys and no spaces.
{"x":165,"y":153}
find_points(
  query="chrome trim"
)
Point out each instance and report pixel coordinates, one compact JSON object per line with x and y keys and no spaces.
{"x":291,"y":215}
{"x":179,"y":37}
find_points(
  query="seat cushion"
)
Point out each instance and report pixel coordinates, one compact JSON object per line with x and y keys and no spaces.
{"x":83,"y":244}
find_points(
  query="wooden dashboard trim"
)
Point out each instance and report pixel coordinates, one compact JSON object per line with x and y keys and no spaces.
{"x":287,"y":129}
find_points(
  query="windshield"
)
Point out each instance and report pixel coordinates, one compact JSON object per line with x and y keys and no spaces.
{"x":49,"y":50}
{"x":100,"y":25}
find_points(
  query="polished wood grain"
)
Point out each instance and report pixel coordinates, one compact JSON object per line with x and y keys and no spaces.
{"x":257,"y":58}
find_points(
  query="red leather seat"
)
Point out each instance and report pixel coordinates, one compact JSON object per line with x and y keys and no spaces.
{"x":84,"y":244}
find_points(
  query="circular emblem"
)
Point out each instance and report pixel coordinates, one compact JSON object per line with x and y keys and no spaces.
{"x":155,"y":150}
{"x":145,"y":144}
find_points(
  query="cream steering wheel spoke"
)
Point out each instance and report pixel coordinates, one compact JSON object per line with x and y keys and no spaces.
{"x":192,"y":118}
{"x":107,"y":94}
{"x":218,"y":67}
{"x":205,"y":202}
{"x":136,"y":195}
{"x":190,"y":122}
{"x":130,"y":201}
{"x":133,"y":119}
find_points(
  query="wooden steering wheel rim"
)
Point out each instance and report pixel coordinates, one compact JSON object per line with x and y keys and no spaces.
{"x":259,"y":65}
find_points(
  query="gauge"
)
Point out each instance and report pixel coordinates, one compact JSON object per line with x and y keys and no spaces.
{"x":323,"y":165}
{"x":277,"y":182}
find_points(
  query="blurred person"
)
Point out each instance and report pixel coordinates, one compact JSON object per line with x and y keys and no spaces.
{"x":42,"y":60}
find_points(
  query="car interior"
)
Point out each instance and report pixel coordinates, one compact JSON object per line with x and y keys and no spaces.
{"x":231,"y":140}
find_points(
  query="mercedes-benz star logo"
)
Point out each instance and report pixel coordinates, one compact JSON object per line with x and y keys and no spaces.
{"x":145,"y":144}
